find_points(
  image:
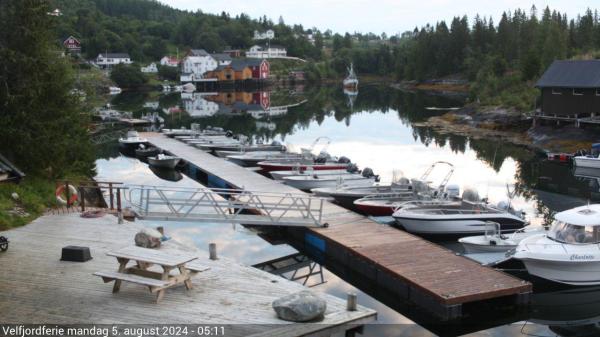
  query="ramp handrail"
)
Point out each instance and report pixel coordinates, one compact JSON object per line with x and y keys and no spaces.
{"x":225,"y":205}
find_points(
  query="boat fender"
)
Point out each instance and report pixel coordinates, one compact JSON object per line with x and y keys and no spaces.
{"x":72,"y":191}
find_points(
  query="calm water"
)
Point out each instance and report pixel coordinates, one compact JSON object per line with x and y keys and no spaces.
{"x":379,"y":129}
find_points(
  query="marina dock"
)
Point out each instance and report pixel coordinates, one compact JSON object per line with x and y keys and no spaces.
{"x":35,"y":286}
{"x":424,"y":273}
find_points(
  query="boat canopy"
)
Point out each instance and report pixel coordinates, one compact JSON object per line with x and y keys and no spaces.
{"x":574,"y":234}
{"x":596,"y":146}
{"x":588,"y":215}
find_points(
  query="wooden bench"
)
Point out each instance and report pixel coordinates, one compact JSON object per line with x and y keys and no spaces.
{"x":196,"y":267}
{"x":108,"y":276}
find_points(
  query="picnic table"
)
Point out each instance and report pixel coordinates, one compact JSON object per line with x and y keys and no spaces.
{"x":156,"y":281}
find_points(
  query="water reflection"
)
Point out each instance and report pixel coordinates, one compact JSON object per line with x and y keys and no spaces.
{"x":377,"y":128}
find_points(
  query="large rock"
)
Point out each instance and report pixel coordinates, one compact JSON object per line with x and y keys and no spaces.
{"x":148,"y":238}
{"x":300,"y":307}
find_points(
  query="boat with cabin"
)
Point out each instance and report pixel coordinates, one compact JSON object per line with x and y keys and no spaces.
{"x":132,"y":140}
{"x":569,"y":253}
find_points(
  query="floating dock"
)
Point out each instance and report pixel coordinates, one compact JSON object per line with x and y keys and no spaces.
{"x":424,"y":273}
{"x":36,"y":287}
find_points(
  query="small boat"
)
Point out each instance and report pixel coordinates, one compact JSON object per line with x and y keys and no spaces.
{"x":316,"y":180}
{"x":188,"y":87}
{"x":166,"y":174}
{"x":242,"y":148}
{"x":145,"y":152}
{"x":164,"y":161}
{"x":114,"y":90}
{"x":493,"y":240}
{"x":280,"y":175}
{"x":569,"y":253}
{"x":454,"y":217}
{"x":351,"y":81}
{"x":303,"y":164}
{"x":591,"y":160}
{"x":251,"y":159}
{"x":132,"y":140}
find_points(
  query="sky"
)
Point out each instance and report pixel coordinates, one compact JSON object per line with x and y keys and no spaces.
{"x":377,"y":16}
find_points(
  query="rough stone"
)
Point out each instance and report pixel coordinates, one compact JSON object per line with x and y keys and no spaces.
{"x":148,"y":238}
{"x":299,"y":307}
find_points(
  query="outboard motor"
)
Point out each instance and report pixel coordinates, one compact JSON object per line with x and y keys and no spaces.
{"x":229,"y":134}
{"x":471,"y":195}
{"x":503,"y":205}
{"x":321,"y":158}
{"x":276,"y":143}
{"x":352,"y":168}
{"x":367,"y":172}
{"x":344,"y":160}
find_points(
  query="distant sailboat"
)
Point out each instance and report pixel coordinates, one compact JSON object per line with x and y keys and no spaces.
{"x":351,"y":81}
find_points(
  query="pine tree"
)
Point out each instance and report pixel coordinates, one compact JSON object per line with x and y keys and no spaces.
{"x":43,"y":128}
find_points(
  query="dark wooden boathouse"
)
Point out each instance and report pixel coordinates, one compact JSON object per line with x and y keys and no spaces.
{"x":570,"y":91}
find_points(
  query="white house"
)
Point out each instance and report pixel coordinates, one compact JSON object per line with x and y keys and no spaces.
{"x":269,"y":34}
{"x":111,"y":59}
{"x":195,"y":64}
{"x":169,"y":61}
{"x":272,"y":51}
{"x":151,"y":68}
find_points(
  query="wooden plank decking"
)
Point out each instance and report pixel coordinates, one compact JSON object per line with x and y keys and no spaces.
{"x":36,"y":287}
{"x":436,"y":271}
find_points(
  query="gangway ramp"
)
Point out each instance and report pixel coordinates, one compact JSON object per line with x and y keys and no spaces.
{"x":217,"y":205}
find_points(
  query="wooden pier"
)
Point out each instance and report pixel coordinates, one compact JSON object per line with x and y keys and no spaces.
{"x":424,"y":273}
{"x":36,"y":287}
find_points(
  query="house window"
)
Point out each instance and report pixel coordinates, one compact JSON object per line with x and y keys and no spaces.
{"x":556,"y":91}
{"x":577,"y":92}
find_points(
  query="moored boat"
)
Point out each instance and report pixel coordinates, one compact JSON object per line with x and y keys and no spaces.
{"x":132,"y":140}
{"x":145,"y":152}
{"x":316,"y":180}
{"x":454,"y":217}
{"x":251,"y":159}
{"x":164,"y":161}
{"x":569,"y":253}
{"x":494,"y":240}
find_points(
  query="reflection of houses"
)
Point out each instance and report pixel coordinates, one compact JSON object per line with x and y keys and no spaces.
{"x":197,"y":106}
{"x":241,"y":70}
{"x":571,"y":91}
{"x":72,"y":44}
{"x":110,"y":59}
{"x":265,"y":52}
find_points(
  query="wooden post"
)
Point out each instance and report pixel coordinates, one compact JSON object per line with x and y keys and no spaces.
{"x":351,"y":302}
{"x":110,"y":193}
{"x":119,"y":212}
{"x":212,"y":251}
{"x":82,"y":199}
{"x":68,"y":194}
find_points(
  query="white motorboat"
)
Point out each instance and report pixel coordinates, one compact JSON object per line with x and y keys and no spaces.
{"x":316,"y":180}
{"x":188,"y":87}
{"x":590,"y":161}
{"x":351,"y":81}
{"x":493,"y":240}
{"x":164,"y":161}
{"x":114,"y":90}
{"x":132,"y":140}
{"x":253,"y":158}
{"x":454,"y":217}
{"x":279,"y":175}
{"x":570,"y":252}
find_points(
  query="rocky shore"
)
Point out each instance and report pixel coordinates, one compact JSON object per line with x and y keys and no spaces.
{"x":511,"y":126}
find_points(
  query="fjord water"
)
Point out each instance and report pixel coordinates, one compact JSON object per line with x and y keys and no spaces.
{"x":380,"y":128}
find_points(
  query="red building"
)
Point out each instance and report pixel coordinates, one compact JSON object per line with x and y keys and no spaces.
{"x":260,"y":68}
{"x":72,"y":44}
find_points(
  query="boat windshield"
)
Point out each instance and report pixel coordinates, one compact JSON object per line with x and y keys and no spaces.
{"x":568,"y":233}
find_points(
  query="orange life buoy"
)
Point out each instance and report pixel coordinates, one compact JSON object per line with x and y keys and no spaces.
{"x":72,"y":191}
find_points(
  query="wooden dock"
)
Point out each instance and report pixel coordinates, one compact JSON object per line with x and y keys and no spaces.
{"x":35,"y":287}
{"x":429,"y":275}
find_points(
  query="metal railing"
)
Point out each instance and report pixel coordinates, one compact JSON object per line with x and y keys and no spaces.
{"x":225,"y":206}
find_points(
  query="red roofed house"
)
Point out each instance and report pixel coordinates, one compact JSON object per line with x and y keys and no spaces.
{"x":169,"y":61}
{"x":72,"y":44}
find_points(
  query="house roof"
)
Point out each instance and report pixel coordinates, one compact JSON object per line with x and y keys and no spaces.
{"x":221,"y":57}
{"x":198,"y":52}
{"x":115,"y":55}
{"x":71,"y":37}
{"x":571,"y":74}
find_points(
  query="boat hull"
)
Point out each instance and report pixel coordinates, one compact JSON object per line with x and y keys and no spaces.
{"x":279,"y":175}
{"x":474,"y":248}
{"x":272,"y":166}
{"x":309,"y":184}
{"x":580,"y":273}
{"x":587,"y":162}
{"x":164,"y":163}
{"x":450,"y":225}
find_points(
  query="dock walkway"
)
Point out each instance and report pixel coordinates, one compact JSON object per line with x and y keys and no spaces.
{"x":35,"y":287}
{"x":425,"y":273}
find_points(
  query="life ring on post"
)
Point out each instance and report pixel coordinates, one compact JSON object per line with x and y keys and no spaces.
{"x":74,"y":195}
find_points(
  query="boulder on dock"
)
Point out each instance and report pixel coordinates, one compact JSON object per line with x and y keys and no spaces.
{"x":300,"y":307}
